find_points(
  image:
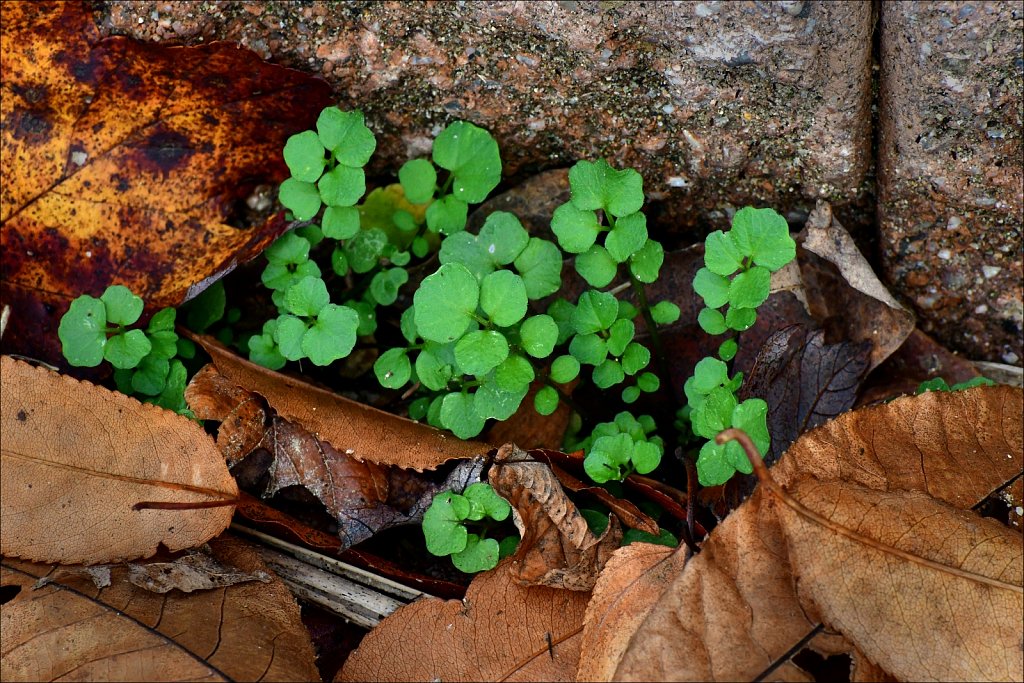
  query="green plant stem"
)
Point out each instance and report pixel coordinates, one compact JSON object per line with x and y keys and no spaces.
{"x":447,"y":185}
{"x":652,"y":328}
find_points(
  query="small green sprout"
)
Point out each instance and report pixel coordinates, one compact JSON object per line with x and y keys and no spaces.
{"x":145,"y":361}
{"x":617,"y":449}
{"x":445,"y":528}
{"x":736,"y":275}
{"x":939,"y":384}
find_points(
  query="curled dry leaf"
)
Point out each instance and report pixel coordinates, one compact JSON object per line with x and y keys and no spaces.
{"x":362,"y":496}
{"x":123,"y":161}
{"x":361,"y":431}
{"x":557,"y":548}
{"x":770,"y":573}
{"x":856,"y":300}
{"x":501,"y":631}
{"x":69,"y":629}
{"x":78,"y":458}
{"x":193,"y":571}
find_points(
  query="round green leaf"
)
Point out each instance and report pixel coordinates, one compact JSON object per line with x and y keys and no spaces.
{"x":713,"y":468}
{"x":664,"y":538}
{"x":442,"y":524}
{"x":648,"y":382}
{"x":538,"y":335}
{"x":479,"y":555}
{"x":751,"y":416}
{"x":393,"y":368}
{"x":418,"y":178}
{"x":367,"y":313}
{"x":645,"y":264}
{"x":471,"y":154}
{"x":764,"y":235}
{"x":123,"y":307}
{"x":305,"y":156}
{"x":713,"y":288}
{"x":288,"y":335}
{"x":635,"y":358}
{"x":420,"y":246}
{"x":750,"y":289}
{"x":514,"y":374}
{"x":561,"y":311}
{"x":333,"y":336}
{"x":595,"y":311}
{"x":289,"y":248}
{"x":128,"y":349}
{"x":465,"y":248}
{"x":502,"y":237}
{"x":339,"y":262}
{"x":708,"y":374}
{"x":407,"y":323}
{"x":385,"y":285}
{"x":165,"y":342}
{"x":545,"y":401}
{"x":540,"y":264}
{"x":342,"y":186}
{"x":628,"y":236}
{"x":263,"y":349}
{"x":564,"y":369}
{"x":447,"y":215}
{"x":575,"y":228}
{"x":82,"y":332}
{"x":727,"y":350}
{"x":596,"y":185}
{"x":608,"y":374}
{"x":596,"y":266}
{"x":150,"y":377}
{"x":346,"y":135}
{"x":646,"y":456}
{"x":714,"y":414}
{"x":711,"y":321}
{"x":458,"y":416}
{"x":619,"y":335}
{"x":301,"y":198}
{"x":481,"y":351}
{"x":740,"y":319}
{"x":365,"y":249}
{"x":665,"y":312}
{"x":446,"y":303}
{"x":630,"y":394}
{"x":306,"y":297}
{"x":491,"y":401}
{"x":503,"y":297}
{"x":432,"y":369}
{"x":588,"y":349}
{"x":341,"y":222}
{"x":721,"y":255}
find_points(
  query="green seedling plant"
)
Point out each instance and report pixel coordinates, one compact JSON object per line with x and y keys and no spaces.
{"x":448,"y":520}
{"x":939,"y":384}
{"x":146,"y":361}
{"x":736,"y":277}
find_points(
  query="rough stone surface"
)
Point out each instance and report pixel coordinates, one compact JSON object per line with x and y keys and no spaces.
{"x":718,"y":104}
{"x":951,"y":199}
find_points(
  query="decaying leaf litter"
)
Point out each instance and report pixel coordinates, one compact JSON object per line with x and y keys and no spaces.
{"x":833,"y":556}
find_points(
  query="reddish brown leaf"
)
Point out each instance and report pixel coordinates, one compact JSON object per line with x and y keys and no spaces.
{"x":502,"y":631}
{"x":557,"y":548}
{"x":363,"y":432}
{"x":70,"y":629}
{"x":242,"y":414}
{"x":78,"y":458}
{"x":122,"y":162}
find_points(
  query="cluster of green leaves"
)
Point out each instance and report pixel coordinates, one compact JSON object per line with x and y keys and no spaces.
{"x":939,"y":384}
{"x":736,"y":275}
{"x":597,"y":522}
{"x":445,"y":528}
{"x":616,"y":449}
{"x":373,"y":241}
{"x":146,"y":361}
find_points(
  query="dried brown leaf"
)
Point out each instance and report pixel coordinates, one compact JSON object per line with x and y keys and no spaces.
{"x":501,"y":631}
{"x":69,"y":629}
{"x":895,"y":476}
{"x":242,"y":414}
{"x":856,"y":301}
{"x":557,"y":548}
{"x":193,"y":571}
{"x":77,"y":458}
{"x":123,"y":161}
{"x":360,"y":430}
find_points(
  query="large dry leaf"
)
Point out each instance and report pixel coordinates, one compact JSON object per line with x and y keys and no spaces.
{"x":69,"y":629}
{"x":77,"y":459}
{"x":557,"y":548}
{"x":501,"y":631}
{"x":123,"y":161}
{"x":359,"y":430}
{"x":738,"y":609}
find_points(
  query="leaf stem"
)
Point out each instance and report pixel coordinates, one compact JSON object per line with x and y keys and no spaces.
{"x":652,"y":328}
